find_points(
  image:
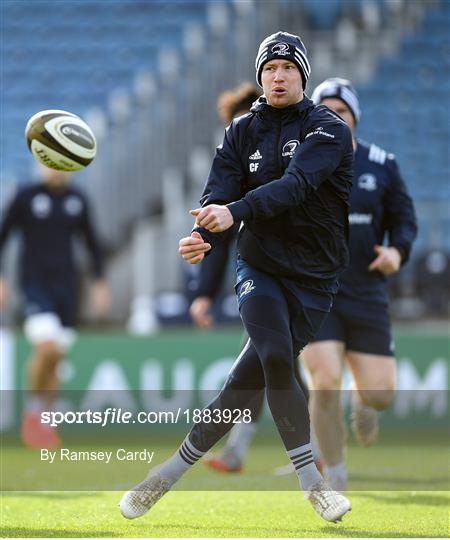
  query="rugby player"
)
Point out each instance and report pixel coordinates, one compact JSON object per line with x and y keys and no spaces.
{"x":285,"y":170}
{"x":357,"y":333}
{"x":207,"y":285}
{"x":48,"y":215}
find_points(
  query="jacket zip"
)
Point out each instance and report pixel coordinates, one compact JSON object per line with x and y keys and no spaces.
{"x":279,"y":164}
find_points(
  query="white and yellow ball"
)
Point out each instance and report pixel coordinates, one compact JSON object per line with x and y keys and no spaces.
{"x":60,"y":140}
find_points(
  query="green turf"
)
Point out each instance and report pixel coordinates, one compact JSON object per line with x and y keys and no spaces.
{"x":399,"y":489}
{"x":407,"y":461}
{"x":224,"y":514}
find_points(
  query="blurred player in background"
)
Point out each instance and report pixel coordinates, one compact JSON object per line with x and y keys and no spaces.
{"x":292,"y":247}
{"x":48,"y":216}
{"x":358,"y":330}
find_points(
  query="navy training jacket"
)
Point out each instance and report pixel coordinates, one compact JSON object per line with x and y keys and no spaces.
{"x":380,"y":206}
{"x":288,"y":175}
{"x":48,"y":221}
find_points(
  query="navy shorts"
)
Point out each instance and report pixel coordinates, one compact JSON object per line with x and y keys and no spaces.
{"x":362,"y":326}
{"x":57,"y":299}
{"x":307,"y":307}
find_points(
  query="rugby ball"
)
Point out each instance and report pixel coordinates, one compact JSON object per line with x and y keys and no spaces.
{"x":60,"y":140}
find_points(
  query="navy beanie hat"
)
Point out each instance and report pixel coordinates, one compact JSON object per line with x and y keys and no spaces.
{"x":341,"y":89}
{"x":287,"y":47}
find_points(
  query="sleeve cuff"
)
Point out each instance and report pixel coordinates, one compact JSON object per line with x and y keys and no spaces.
{"x":207,"y":237}
{"x":240,"y":210}
{"x":403,"y":253}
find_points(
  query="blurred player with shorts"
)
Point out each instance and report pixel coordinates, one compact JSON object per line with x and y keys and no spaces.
{"x":358,"y":330}
{"x":48,"y":216}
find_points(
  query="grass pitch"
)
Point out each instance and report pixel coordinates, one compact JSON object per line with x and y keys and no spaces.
{"x":224,"y":514}
{"x":399,"y":488}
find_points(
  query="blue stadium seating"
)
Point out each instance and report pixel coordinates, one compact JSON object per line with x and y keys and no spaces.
{"x":71,"y":56}
{"x":405,"y":106}
{"x":320,"y":18}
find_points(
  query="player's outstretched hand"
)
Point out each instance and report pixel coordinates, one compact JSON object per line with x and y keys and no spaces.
{"x":200,"y":312}
{"x":193,"y":248}
{"x":388,"y":260}
{"x":215,"y":217}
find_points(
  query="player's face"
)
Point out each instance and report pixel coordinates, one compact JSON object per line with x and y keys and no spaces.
{"x":282,"y":83}
{"x":339,"y":107}
{"x":55,"y":179}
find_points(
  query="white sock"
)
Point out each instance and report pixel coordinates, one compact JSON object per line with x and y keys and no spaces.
{"x":338,"y":470}
{"x":173,"y":468}
{"x":336,"y":476}
{"x":239,"y":440}
{"x":305,"y":468}
{"x":317,"y":454}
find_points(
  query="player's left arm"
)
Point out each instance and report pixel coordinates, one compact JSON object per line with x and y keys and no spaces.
{"x":100,"y":293}
{"x":400,"y":222}
{"x":400,"y":214}
{"x":90,"y":236}
{"x":317,"y":157}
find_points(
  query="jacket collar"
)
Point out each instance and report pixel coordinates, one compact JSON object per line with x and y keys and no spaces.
{"x":262,"y":108}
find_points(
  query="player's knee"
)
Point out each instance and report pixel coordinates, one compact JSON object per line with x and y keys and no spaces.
{"x":326,"y":380}
{"x":278,"y":365}
{"x":238,"y":381}
{"x":48,"y":353}
{"x":326,"y":399}
{"x":326,"y":389}
{"x":379,"y":397}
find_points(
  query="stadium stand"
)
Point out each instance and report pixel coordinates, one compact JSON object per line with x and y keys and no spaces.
{"x":145,"y":74}
{"x":72,"y":57}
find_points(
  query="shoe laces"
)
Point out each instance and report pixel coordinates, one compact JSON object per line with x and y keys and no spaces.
{"x":324,"y":499}
{"x":323,"y":496}
{"x":150,"y":496}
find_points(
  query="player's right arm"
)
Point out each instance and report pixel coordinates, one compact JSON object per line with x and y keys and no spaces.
{"x":224,"y":183}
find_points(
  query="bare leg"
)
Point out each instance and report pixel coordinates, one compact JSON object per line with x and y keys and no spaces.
{"x":374,"y":377}
{"x":42,"y":384}
{"x":42,"y":371}
{"x":324,"y":360}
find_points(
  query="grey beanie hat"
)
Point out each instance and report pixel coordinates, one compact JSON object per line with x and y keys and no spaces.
{"x":338,"y":88}
{"x":285,"y":46}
